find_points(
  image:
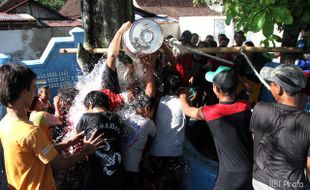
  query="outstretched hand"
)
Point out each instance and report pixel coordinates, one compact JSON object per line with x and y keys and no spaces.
{"x":93,"y":143}
{"x":77,"y":138}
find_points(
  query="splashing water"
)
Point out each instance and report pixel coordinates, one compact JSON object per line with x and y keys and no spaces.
{"x":93,"y":81}
{"x":85,"y":84}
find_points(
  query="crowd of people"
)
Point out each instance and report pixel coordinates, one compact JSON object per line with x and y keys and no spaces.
{"x":134,"y":140}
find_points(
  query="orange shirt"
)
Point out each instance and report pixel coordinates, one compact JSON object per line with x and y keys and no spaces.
{"x":27,"y":154}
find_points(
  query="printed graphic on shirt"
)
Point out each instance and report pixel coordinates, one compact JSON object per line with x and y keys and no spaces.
{"x":109,"y":159}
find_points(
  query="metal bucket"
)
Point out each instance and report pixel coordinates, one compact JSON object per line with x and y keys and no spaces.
{"x":143,"y":37}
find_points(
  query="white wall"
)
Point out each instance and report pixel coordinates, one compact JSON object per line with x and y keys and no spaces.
{"x":257,"y":37}
{"x":170,"y":29}
{"x":28,"y":44}
{"x":215,"y":25}
{"x":207,"y":25}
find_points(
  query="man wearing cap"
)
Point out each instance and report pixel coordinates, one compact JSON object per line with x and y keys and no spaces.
{"x":281,"y":132}
{"x":229,"y":123}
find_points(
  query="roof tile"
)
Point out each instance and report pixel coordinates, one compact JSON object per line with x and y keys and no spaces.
{"x":171,"y":8}
{"x":16,"y":17}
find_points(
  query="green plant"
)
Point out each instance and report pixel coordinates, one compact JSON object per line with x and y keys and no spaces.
{"x":265,"y":15}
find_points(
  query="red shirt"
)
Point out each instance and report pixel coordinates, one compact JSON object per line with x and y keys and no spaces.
{"x":185,"y":67}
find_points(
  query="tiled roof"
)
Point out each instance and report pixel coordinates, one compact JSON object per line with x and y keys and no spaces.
{"x":16,"y":17}
{"x":7,"y":17}
{"x":171,"y":8}
{"x":8,"y":4}
{"x":56,"y":23}
{"x":71,"y":9}
{"x":175,"y":8}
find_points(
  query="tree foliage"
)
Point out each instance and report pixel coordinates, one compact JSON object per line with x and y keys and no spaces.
{"x":264,"y":15}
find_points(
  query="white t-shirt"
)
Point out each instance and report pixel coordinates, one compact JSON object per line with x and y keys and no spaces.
{"x":140,"y":129}
{"x":170,"y":122}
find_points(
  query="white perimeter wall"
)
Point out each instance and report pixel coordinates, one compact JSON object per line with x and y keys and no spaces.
{"x":207,"y":25}
{"x":215,"y":25}
{"x":28,"y":44}
{"x":170,"y":29}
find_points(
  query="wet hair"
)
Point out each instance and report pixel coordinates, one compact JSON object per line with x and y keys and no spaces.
{"x":227,"y":81}
{"x":34,"y":102}
{"x":172,"y":84}
{"x":142,"y":100}
{"x":124,"y":58}
{"x":67,"y":94}
{"x":96,"y":99}
{"x":14,"y":78}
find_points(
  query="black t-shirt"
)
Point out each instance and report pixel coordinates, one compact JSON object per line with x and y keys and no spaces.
{"x":229,"y":125}
{"x":281,"y":145}
{"x":105,"y":165}
{"x":109,"y":79}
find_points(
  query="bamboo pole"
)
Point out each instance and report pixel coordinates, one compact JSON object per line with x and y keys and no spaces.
{"x":209,"y":50}
{"x":252,"y":49}
{"x":92,"y":51}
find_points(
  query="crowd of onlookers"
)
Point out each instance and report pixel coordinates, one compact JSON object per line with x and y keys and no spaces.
{"x":132,"y":133}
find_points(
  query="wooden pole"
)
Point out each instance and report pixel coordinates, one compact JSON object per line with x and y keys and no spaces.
{"x":211,"y":50}
{"x":252,"y":49}
{"x":74,"y":50}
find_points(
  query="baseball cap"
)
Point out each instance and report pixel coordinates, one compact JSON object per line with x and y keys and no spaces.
{"x":288,"y":76}
{"x":224,"y":77}
{"x":210,"y":75}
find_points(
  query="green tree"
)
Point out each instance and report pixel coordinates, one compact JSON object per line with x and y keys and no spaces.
{"x":263,"y":15}
{"x":101,"y":20}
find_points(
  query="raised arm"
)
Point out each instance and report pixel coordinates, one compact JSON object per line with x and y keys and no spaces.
{"x":167,"y":50}
{"x":195,"y":113}
{"x":149,"y":62}
{"x":115,"y":45}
